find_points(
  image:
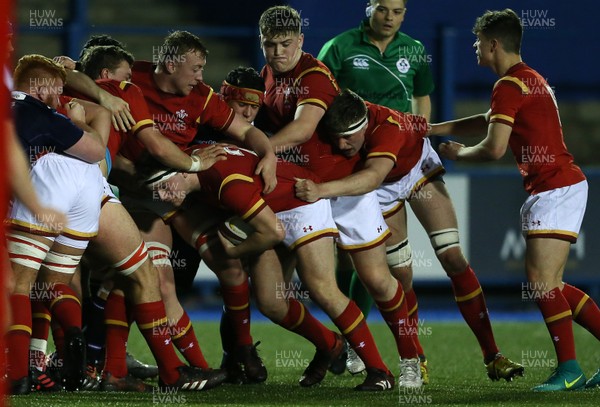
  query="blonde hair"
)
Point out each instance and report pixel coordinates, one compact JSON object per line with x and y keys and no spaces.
{"x":37,"y":66}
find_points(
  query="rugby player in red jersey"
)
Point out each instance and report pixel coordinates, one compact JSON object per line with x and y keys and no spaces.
{"x":111,"y":67}
{"x":402,"y":166}
{"x":127,"y":255}
{"x":524,"y":117}
{"x":179,"y":103}
{"x":305,"y":229}
{"x":299,"y":89}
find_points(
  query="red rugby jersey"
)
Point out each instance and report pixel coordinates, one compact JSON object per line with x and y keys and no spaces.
{"x":394,"y":135}
{"x":523,"y":100}
{"x":115,"y":137}
{"x":310,"y":82}
{"x":178,"y":117}
{"x":131,"y":94}
{"x":231,"y":184}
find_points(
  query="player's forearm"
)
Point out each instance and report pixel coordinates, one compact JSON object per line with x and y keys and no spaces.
{"x":256,"y":243}
{"x":83,"y":84}
{"x":421,"y":106}
{"x":164,"y":150}
{"x":98,"y":146}
{"x":258,"y":141}
{"x":359,"y":183}
{"x":293,"y":134}
{"x":472,"y":126}
{"x":477,"y":153}
{"x":99,"y":119}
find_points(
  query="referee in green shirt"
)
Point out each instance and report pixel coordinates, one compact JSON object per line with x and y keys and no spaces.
{"x":380,"y":63}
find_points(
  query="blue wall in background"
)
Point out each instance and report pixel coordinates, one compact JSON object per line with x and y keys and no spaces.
{"x":567,"y":53}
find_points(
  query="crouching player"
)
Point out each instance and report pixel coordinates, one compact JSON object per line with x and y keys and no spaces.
{"x":307,"y":230}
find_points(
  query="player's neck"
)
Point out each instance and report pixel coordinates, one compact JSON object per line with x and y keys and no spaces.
{"x":502,"y":65}
{"x":161,"y":79}
{"x":379,"y":41}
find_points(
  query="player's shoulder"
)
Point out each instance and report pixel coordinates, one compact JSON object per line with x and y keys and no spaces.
{"x":519,"y":77}
{"x":22,"y":101}
{"x":307,"y":61}
{"x":142,"y":74}
{"x":128,"y":88}
{"x":142,"y":66}
{"x":204,"y":90}
{"x":376,"y":112}
{"x":118,"y":87}
{"x":308,"y":64}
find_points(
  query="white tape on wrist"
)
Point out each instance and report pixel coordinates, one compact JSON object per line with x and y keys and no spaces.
{"x":196,"y":164}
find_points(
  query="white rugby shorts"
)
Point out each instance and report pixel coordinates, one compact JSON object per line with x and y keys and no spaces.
{"x":557,"y":213}
{"x":359,"y":221}
{"x":108,"y":194}
{"x":307,"y":223}
{"x":71,"y":186}
{"x":392,"y":195}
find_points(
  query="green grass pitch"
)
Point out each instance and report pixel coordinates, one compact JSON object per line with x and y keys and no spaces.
{"x":457,"y":374}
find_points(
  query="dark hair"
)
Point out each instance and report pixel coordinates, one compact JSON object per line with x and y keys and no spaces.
{"x":246,"y":77}
{"x":374,"y":2}
{"x":504,"y":26}
{"x":103,"y":56}
{"x":279,"y":20}
{"x":346,"y":109}
{"x":179,"y":43}
{"x":100,"y":39}
{"x":145,"y":167}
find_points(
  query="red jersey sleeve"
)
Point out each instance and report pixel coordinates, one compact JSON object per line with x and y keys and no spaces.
{"x":398,"y":137}
{"x":216,"y":113}
{"x":507,"y":97}
{"x":316,"y":86}
{"x":384,"y":142}
{"x":137,"y":106}
{"x":236,"y":186}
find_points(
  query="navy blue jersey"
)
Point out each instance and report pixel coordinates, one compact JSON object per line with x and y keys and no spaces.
{"x":42,"y":129}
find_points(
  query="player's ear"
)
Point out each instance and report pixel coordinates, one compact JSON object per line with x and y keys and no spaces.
{"x":41,"y":92}
{"x":104,"y":73}
{"x":494,"y":44}
{"x":300,"y":40}
{"x":369,"y":10}
{"x":170,"y":66}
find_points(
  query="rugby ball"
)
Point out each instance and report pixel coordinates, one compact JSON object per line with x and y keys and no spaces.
{"x":236,"y":230}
